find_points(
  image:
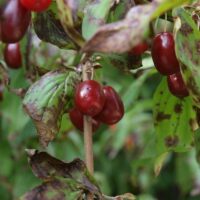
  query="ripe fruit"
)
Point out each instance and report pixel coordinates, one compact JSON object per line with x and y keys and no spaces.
{"x":176,"y":85}
{"x":36,"y":5}
{"x":76,"y":118}
{"x":139,"y":49}
{"x":12,"y":55}
{"x":89,"y":97}
{"x":1,"y":90}
{"x":113,"y":109}
{"x":14,"y":21}
{"x":163,"y":54}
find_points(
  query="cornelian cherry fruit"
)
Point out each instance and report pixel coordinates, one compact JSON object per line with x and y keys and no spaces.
{"x":163,"y":54}
{"x":14,"y":21}
{"x":76,"y":118}
{"x":36,"y":5}
{"x":176,"y":85}
{"x":113,"y":109}
{"x":139,"y":49}
{"x":12,"y":55}
{"x":89,"y":97}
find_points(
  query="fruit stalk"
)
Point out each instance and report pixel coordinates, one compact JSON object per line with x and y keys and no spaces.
{"x":87,"y":73}
{"x":87,"y":127}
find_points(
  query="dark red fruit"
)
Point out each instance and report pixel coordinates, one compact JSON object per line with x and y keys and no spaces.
{"x":76,"y":118}
{"x":36,"y":5}
{"x":176,"y":85}
{"x":12,"y":55}
{"x":1,"y":90}
{"x":89,"y":97}
{"x":113,"y":109}
{"x":139,"y":49}
{"x":14,"y":21}
{"x":163,"y":54}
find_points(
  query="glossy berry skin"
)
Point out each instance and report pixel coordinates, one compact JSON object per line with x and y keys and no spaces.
{"x":12,"y":55}
{"x":76,"y":118}
{"x":176,"y":85}
{"x":163,"y":54}
{"x":1,"y":90}
{"x":14,"y":21}
{"x":139,"y":49}
{"x":89,"y":97}
{"x":113,"y":109}
{"x":36,"y":5}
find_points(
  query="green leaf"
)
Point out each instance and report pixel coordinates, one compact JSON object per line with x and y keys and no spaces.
{"x":95,"y":16}
{"x":67,"y":13}
{"x":167,"y":5}
{"x":47,"y":99}
{"x":49,"y":29}
{"x":174,"y":119}
{"x":188,"y":52}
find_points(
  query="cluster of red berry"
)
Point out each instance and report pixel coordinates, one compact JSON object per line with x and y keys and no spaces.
{"x":103,"y":104}
{"x":15,"y":17}
{"x":165,"y":60}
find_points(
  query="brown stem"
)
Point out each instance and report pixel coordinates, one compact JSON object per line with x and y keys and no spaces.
{"x":87,"y":74}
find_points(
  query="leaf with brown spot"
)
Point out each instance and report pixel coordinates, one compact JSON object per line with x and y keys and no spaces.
{"x":187,"y":49}
{"x":121,"y":36}
{"x":171,"y":117}
{"x":46,"y":100}
{"x":61,"y":180}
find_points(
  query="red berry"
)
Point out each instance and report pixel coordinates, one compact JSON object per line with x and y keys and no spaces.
{"x":12,"y":55}
{"x":139,"y":49}
{"x":113,"y":109}
{"x":1,"y":90}
{"x":176,"y":85}
{"x":163,"y":54}
{"x":36,"y":5}
{"x":89,"y":97}
{"x":76,"y":118}
{"x":14,"y":21}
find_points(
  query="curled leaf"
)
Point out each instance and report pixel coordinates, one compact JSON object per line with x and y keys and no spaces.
{"x":61,"y":179}
{"x":121,"y":36}
{"x":47,"y":99}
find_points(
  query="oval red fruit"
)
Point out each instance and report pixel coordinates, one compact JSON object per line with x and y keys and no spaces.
{"x":89,"y":97}
{"x":163,"y":54}
{"x":36,"y":5}
{"x":113,"y":109}
{"x":139,"y":49}
{"x":14,"y":21}
{"x":76,"y":118}
{"x":176,"y":85}
{"x":12,"y":55}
